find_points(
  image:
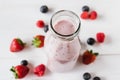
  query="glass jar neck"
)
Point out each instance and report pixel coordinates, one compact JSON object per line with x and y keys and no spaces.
{"x":65,"y":15}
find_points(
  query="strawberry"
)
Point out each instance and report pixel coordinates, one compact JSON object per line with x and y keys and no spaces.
{"x":40,"y":23}
{"x":93,"y":15}
{"x":85,"y":15}
{"x":17,"y":45}
{"x":20,"y":71}
{"x":39,"y":70}
{"x":38,"y":41}
{"x":100,"y":37}
{"x":88,"y":57}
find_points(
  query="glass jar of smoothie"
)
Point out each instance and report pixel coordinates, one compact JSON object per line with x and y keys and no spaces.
{"x":62,"y":42}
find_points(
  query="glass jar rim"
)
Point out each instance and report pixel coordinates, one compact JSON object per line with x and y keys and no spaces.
{"x":62,"y":35}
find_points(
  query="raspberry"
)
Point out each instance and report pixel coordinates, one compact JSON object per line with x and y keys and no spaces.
{"x":85,"y":15}
{"x":100,"y":37}
{"x":39,"y":70}
{"x":40,"y":23}
{"x":93,"y":15}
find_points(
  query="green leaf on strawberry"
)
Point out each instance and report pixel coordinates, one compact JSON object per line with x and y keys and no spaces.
{"x":17,"y":45}
{"x":19,"y":71}
{"x":38,"y":41}
{"x":89,"y":57}
{"x":14,"y":72}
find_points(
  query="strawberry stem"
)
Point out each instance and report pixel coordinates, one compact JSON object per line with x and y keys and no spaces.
{"x":21,"y":42}
{"x":91,"y":51}
{"x":12,"y":69}
{"x":96,"y":54}
{"x":14,"y":72}
{"x":36,"y":42}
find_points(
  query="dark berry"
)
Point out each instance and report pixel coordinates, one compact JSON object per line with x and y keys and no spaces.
{"x":96,"y":78}
{"x":86,"y":76}
{"x":46,"y":28}
{"x":44,"y":9}
{"x":91,"y":41}
{"x":24,"y":62}
{"x":85,"y":8}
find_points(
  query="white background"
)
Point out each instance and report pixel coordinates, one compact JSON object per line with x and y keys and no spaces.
{"x":18,"y":19}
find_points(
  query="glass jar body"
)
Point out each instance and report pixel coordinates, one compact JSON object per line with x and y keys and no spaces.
{"x":62,"y":55}
{"x":62,"y":43}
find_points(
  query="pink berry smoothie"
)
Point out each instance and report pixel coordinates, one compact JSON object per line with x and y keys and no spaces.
{"x":64,"y":27}
{"x":62,"y":54}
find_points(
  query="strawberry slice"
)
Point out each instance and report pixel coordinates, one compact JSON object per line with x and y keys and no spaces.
{"x":38,"y":41}
{"x":20,"y":71}
{"x":89,"y":57}
{"x":39,"y":70}
{"x":17,"y":45}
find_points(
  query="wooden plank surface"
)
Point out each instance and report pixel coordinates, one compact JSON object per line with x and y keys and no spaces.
{"x":18,"y":19}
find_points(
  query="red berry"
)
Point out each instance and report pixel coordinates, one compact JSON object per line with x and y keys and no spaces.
{"x":88,"y":57}
{"x":100,"y":37}
{"x":38,"y":41}
{"x":17,"y":45}
{"x":93,"y":15}
{"x":84,"y":15}
{"x":20,"y":71}
{"x":39,"y":70}
{"x":40,"y":23}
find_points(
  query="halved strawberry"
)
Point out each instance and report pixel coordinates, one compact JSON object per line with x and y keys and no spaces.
{"x":88,"y":57}
{"x":17,"y":45}
{"x":39,"y":70}
{"x":20,"y":71}
{"x":38,"y":41}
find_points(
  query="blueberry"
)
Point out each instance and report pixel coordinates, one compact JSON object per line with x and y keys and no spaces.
{"x":91,"y":41}
{"x":85,"y":8}
{"x":96,"y":78}
{"x":46,"y":28}
{"x":24,"y":62}
{"x":86,"y":76}
{"x":44,"y":9}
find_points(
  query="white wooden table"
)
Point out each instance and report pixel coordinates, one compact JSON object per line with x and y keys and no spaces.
{"x":18,"y":19}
